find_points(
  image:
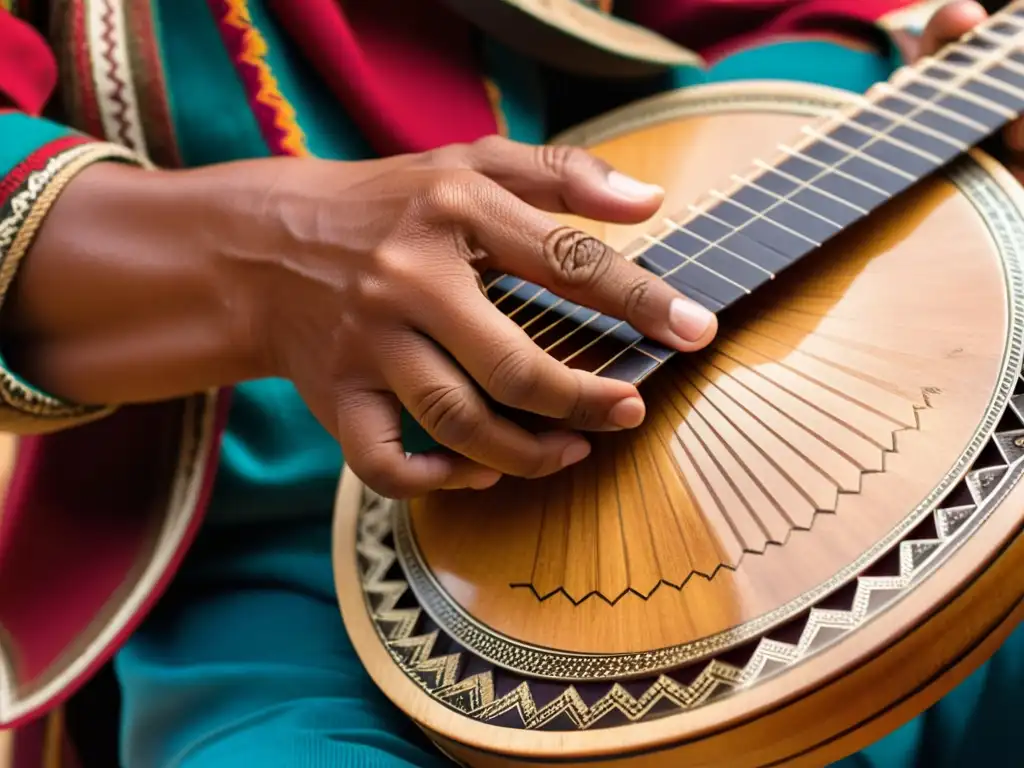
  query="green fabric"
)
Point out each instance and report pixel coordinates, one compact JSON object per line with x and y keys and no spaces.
{"x":23,"y":135}
{"x":246,"y":663}
{"x":802,"y":61}
{"x":332,"y":134}
{"x":209,"y":108}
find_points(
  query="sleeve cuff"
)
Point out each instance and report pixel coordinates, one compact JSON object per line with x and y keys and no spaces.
{"x":37,"y":162}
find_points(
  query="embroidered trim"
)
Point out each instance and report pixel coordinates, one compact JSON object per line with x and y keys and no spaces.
{"x":146,"y":64}
{"x":70,"y":40}
{"x":10,"y":183}
{"x":23,"y":214}
{"x":247,"y":47}
{"x":115,"y":88}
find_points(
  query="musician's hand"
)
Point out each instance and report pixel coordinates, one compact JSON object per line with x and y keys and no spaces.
{"x":367,"y":276}
{"x":947,"y":25}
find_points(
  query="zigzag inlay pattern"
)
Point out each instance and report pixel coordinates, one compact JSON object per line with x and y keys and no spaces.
{"x":438,"y":663}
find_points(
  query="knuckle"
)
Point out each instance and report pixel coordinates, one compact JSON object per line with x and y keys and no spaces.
{"x":514,"y":377}
{"x":491,"y":145}
{"x":447,"y":414}
{"x":558,"y":159}
{"x":396,"y":274}
{"x":449,"y":156}
{"x":448,"y":194}
{"x":367,"y":290}
{"x":374,"y":469}
{"x":576,"y":258}
{"x":535,"y":465}
{"x":637,"y":296}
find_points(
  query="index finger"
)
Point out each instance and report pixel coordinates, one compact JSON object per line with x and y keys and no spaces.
{"x":581,"y":269}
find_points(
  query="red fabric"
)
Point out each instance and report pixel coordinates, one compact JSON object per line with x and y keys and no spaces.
{"x":405,"y":71}
{"x":28,"y":69}
{"x":75,"y":525}
{"x":715,"y":27}
{"x":10,"y":183}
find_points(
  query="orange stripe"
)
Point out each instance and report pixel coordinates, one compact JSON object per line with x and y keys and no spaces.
{"x":494,"y":96}
{"x":254,"y":51}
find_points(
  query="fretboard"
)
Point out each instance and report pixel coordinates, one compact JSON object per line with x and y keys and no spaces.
{"x":833,"y":175}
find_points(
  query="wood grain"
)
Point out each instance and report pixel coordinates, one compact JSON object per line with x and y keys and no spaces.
{"x":773,"y":473}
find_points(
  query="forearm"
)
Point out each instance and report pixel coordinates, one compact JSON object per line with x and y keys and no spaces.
{"x":121,"y":297}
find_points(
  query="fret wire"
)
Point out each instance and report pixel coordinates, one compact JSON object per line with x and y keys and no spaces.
{"x":1014,"y":66}
{"x":674,"y":225}
{"x":537,"y":295}
{"x":528,"y":302}
{"x":883,"y":165}
{"x":655,"y":241}
{"x":802,"y":185}
{"x":986,"y":34}
{"x":556,"y":322}
{"x":899,"y":119}
{"x":575,"y":330}
{"x":956,"y":80}
{"x":733,"y":229}
{"x":991,"y":106}
{"x":757,"y":215}
{"x":748,"y":182}
{"x":829,"y":168}
{"x":928,"y":104}
{"x":510,"y":291}
{"x":992,"y":82}
{"x":537,"y":336}
{"x":592,"y":342}
{"x":623,"y":351}
{"x":894,"y":141}
{"x":772,"y":169}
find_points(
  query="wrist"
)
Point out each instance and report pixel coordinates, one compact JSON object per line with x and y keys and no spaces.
{"x":121,"y":297}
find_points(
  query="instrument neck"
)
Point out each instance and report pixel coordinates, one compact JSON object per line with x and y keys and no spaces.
{"x":840,"y":170}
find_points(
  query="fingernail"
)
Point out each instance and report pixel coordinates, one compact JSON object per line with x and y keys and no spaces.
{"x":576,"y":452}
{"x":628,"y":413}
{"x":688,"y":319}
{"x":633,"y":189}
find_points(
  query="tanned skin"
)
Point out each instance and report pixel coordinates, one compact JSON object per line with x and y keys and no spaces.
{"x":360,"y":283}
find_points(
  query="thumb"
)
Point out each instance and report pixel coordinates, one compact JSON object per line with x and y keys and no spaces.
{"x":563,"y":179}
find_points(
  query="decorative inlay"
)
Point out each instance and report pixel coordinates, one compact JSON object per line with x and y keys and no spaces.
{"x":768,"y":436}
{"x":490,"y":677}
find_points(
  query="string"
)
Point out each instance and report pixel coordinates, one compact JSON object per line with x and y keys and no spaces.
{"x":962,"y":75}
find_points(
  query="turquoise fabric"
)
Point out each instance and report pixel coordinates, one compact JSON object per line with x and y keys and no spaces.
{"x":23,"y":135}
{"x":246,"y":663}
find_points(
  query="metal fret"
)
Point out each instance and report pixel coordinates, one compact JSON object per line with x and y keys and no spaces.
{"x":897,"y":134}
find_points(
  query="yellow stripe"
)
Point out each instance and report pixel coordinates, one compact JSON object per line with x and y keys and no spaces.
{"x":254,"y":50}
{"x":494,"y":96}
